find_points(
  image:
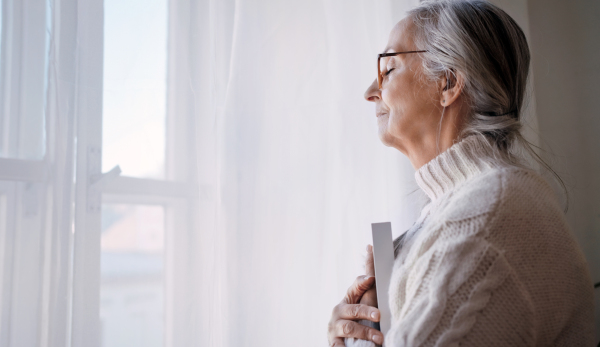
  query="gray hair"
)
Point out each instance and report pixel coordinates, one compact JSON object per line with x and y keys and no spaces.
{"x":482,"y":44}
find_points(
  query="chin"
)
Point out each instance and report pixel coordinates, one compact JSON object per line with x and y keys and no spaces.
{"x":385,"y":138}
{"x":383,"y":130}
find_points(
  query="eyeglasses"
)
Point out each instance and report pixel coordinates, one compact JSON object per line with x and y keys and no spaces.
{"x":384,"y":62}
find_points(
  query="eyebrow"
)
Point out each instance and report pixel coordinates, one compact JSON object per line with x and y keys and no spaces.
{"x":389,"y":49}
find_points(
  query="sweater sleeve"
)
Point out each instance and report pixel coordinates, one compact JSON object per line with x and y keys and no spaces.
{"x":463,"y":292}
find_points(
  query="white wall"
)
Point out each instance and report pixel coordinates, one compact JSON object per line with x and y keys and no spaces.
{"x":564,"y":38}
{"x":565,"y":42}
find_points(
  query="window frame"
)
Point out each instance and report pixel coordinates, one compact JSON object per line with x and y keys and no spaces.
{"x":178,"y":193}
{"x":82,"y":32}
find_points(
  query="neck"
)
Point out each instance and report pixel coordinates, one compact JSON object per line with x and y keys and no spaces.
{"x":438,"y":141}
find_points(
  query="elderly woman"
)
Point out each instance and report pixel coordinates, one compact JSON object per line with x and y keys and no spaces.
{"x":491,"y":260}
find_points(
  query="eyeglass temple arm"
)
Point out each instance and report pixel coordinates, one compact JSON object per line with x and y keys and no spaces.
{"x":381,"y":55}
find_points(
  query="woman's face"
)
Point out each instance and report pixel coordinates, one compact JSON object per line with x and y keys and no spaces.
{"x":408,"y":106}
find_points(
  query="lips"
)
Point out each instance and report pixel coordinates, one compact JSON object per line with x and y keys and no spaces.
{"x":381,"y":111}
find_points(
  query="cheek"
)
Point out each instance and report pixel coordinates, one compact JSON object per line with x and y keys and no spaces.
{"x":411,"y":111}
{"x":400,"y":103}
{"x":399,"y":94}
{"x":393,"y":92}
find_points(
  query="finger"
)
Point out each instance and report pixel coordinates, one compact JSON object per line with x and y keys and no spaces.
{"x":356,"y":312}
{"x":369,"y":298}
{"x":358,"y":288}
{"x":370,"y":262}
{"x":348,"y":328}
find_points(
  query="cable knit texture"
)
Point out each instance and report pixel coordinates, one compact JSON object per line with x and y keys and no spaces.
{"x":490,"y":262}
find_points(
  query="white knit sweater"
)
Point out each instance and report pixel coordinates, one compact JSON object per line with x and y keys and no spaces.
{"x":490,"y":261}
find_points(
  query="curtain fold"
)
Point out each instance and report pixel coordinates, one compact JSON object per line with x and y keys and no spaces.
{"x":60,"y":114}
{"x":38,"y":97}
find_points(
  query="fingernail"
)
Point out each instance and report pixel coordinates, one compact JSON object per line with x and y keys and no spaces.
{"x":374,"y":315}
{"x":367,"y":277}
{"x":377,"y":339}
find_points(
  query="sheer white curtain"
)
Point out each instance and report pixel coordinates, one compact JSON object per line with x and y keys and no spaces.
{"x":38,"y":96}
{"x":291,"y":171}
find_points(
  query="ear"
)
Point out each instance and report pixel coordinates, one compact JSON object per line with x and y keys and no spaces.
{"x":451,"y":88}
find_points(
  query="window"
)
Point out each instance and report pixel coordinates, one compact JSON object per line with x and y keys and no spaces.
{"x":132,"y":268}
{"x":96,"y":192}
{"x":145,"y":211}
{"x":135,"y":87}
{"x":25,"y":43}
{"x":24,"y":183}
{"x":133,"y":137}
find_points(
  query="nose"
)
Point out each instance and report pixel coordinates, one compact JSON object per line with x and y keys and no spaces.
{"x":373,"y":93}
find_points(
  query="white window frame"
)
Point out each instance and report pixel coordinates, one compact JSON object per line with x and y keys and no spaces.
{"x":178,"y":193}
{"x":25,"y":184}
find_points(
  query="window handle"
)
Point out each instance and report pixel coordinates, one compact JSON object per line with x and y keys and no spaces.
{"x":99,"y":181}
{"x":96,"y":183}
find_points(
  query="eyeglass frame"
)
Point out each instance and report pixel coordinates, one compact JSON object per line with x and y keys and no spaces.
{"x":381,"y":55}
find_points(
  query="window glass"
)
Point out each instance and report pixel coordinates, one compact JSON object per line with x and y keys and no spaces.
{"x":24,"y":47}
{"x":3,"y":232}
{"x":1,"y":12}
{"x":6,"y":253}
{"x":132,"y":270}
{"x":135,"y":77}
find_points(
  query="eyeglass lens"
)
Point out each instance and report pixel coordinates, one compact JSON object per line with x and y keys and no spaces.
{"x":383,"y":62}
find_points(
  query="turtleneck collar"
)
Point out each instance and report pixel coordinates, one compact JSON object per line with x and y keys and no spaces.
{"x":463,"y":160}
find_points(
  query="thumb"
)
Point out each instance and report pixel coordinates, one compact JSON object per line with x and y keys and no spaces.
{"x":370,"y":262}
{"x":358,"y":288}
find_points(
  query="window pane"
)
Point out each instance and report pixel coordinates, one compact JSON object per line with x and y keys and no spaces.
{"x":25,"y":28}
{"x":132,"y":267}
{"x":3,"y":234}
{"x":22,"y":260}
{"x":135,"y":77}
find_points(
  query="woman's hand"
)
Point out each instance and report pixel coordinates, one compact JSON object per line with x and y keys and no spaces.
{"x":348,"y":311}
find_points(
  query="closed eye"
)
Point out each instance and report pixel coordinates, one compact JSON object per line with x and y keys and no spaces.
{"x":388,"y":72}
